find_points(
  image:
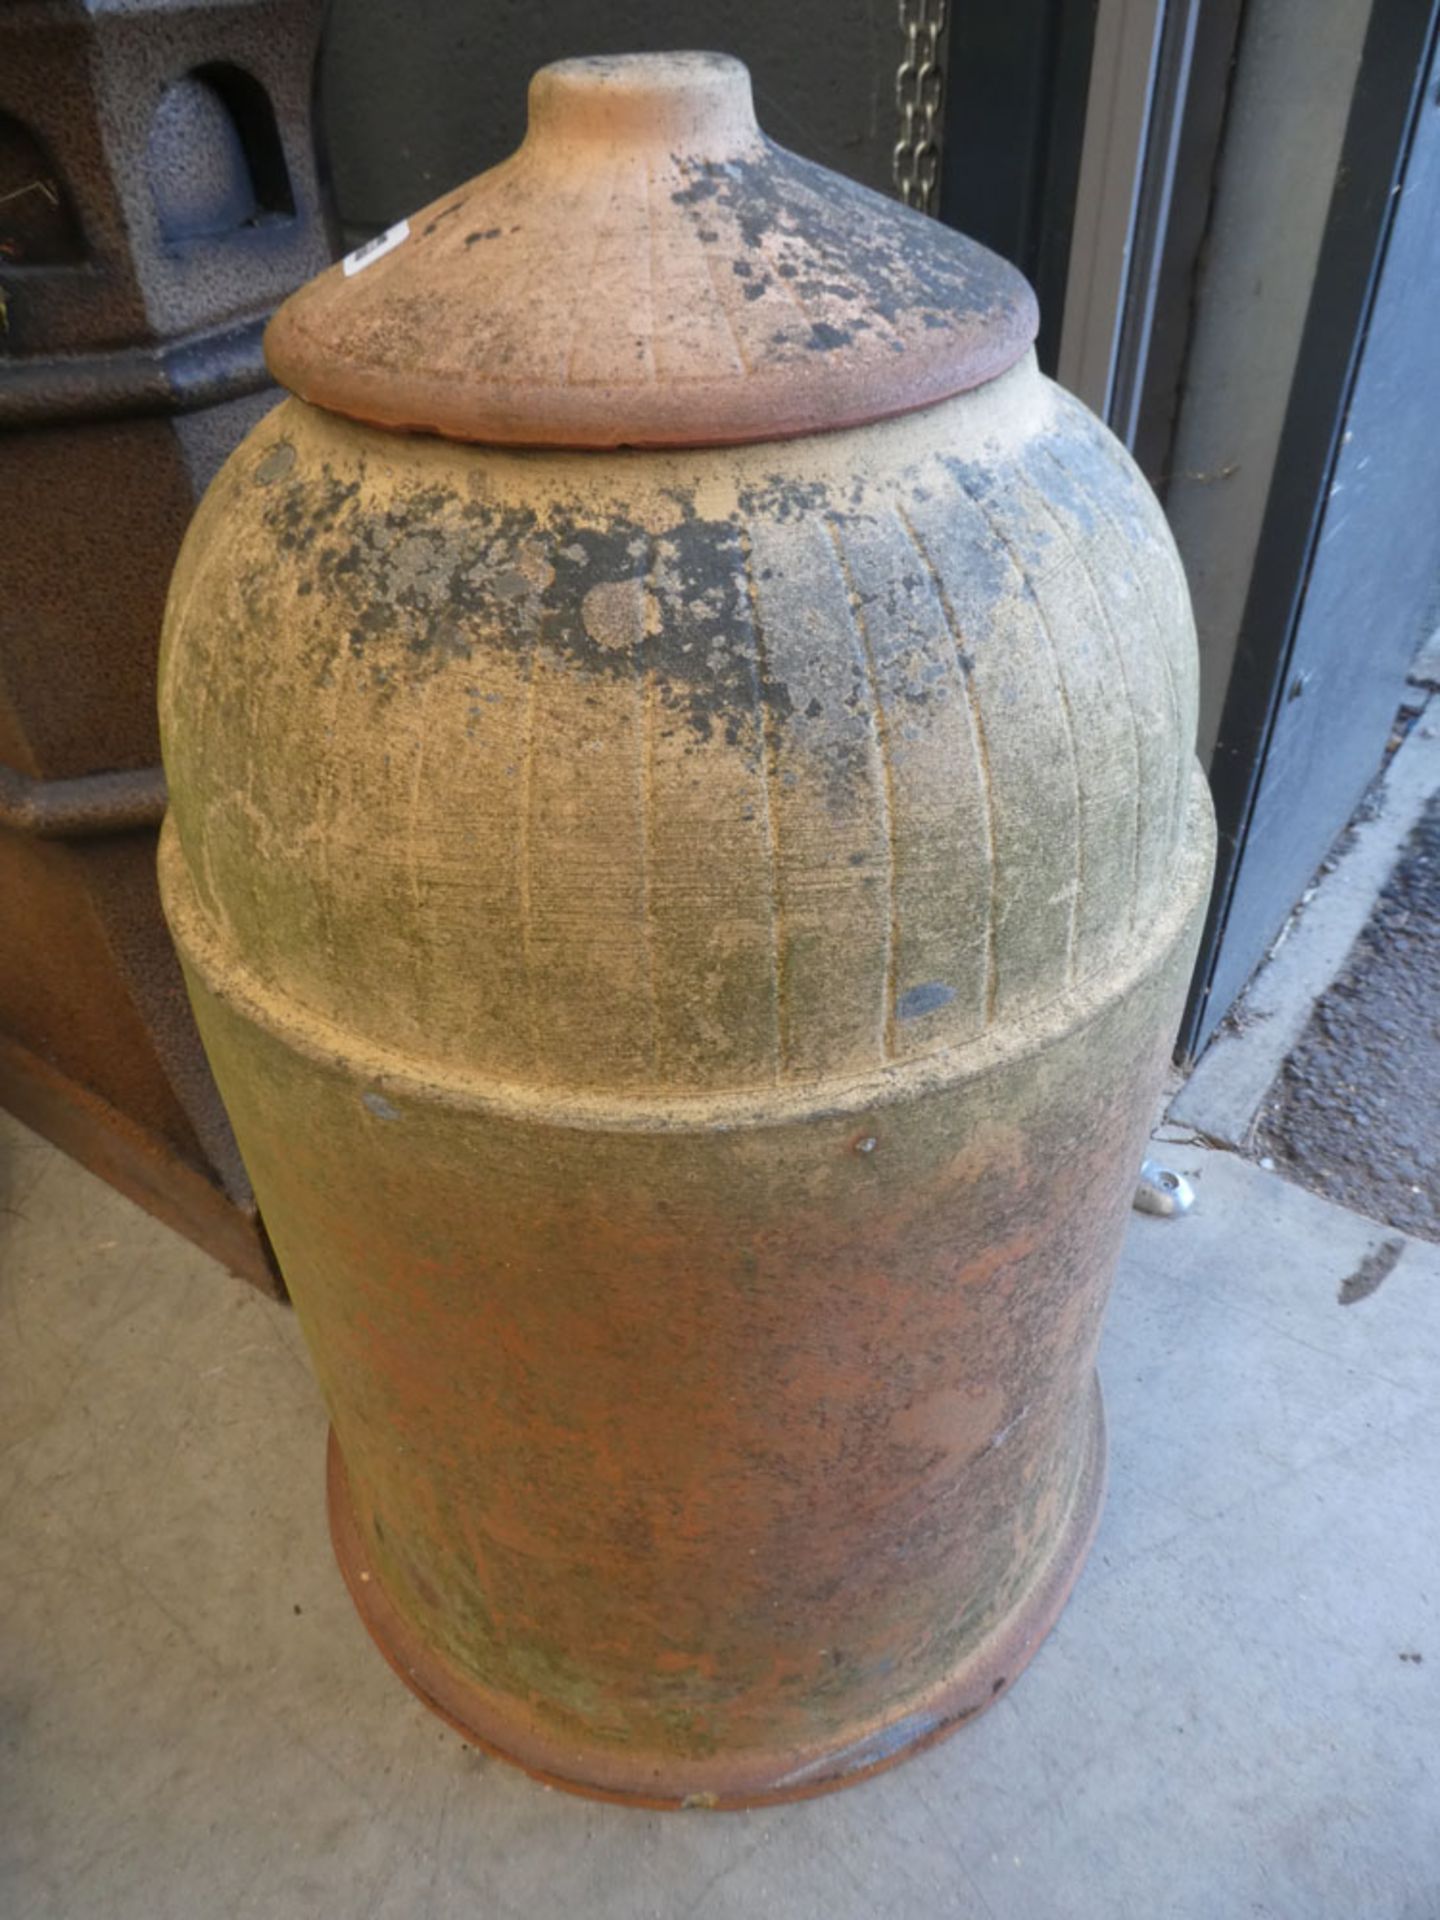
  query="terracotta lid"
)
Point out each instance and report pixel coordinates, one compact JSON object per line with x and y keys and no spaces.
{"x":649,"y":270}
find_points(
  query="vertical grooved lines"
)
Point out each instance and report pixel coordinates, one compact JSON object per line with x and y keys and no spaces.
{"x":769,"y":789}
{"x":1108,"y":624}
{"x":834,"y":774}
{"x":982,"y":758}
{"x":886,"y":790}
{"x":583,"y":307}
{"x":1004,"y":540}
{"x":523,"y":852}
{"x":1172,"y":690}
{"x":710,"y":264}
{"x":645,"y":800}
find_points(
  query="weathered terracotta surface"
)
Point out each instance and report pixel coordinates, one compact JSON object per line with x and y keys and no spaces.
{"x":689,"y":942}
{"x":647,"y":264}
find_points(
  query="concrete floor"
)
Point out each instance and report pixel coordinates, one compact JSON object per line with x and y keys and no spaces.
{"x":1238,"y":1715}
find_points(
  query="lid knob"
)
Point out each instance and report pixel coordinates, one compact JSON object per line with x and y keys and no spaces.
{"x":681,"y":102}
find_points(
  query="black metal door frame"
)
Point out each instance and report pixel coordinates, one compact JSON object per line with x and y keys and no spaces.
{"x":1389,"y":94}
{"x":1017,"y":77}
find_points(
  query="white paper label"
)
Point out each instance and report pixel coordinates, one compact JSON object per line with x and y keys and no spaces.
{"x":382,"y":243}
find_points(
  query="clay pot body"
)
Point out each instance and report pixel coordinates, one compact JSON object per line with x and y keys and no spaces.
{"x":689,"y":941}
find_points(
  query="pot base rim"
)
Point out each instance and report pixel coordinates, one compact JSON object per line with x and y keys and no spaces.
{"x":738,"y":1780}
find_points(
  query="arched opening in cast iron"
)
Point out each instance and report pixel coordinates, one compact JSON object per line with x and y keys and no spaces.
{"x":216,"y":160}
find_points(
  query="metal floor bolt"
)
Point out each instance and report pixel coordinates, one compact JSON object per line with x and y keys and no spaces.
{"x":1161,"y":1190}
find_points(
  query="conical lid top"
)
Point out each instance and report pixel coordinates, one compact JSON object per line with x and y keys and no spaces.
{"x":649,"y":270}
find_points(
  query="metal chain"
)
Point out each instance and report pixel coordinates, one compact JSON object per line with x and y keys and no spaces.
{"x":919,"y":91}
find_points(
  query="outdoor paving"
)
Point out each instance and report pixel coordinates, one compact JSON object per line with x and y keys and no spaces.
{"x":1238,"y":1715}
{"x":1355,"y":1111}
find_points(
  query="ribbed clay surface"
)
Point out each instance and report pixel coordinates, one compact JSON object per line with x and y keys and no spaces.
{"x":681,"y":774}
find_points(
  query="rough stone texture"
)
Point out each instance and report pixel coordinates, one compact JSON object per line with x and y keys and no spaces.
{"x":1355,"y":1112}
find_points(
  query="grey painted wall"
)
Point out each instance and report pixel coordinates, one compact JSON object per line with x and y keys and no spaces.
{"x":1293,"y":89}
{"x":415,"y":99}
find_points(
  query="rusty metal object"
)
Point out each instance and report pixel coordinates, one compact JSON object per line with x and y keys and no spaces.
{"x":689,"y":940}
{"x":157,"y":196}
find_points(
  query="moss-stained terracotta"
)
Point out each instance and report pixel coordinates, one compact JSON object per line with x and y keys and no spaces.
{"x":689,"y":941}
{"x":648,"y":269}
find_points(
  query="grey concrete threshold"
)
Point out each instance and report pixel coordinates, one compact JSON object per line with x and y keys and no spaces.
{"x":1221,"y":1100}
